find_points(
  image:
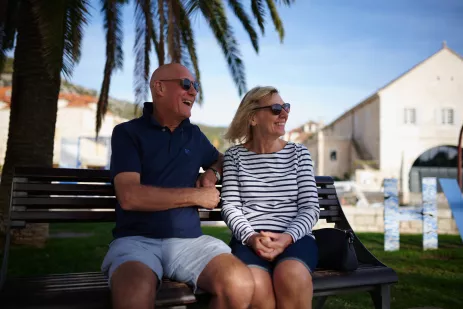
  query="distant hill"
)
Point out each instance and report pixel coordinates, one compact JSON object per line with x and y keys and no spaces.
{"x":215,"y":135}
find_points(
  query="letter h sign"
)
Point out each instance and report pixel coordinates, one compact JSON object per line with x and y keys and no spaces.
{"x":393,"y":214}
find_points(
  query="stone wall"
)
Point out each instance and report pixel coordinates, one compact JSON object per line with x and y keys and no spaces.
{"x":372,"y":220}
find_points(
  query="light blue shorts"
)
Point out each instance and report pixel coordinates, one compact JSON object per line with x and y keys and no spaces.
{"x":179,"y":259}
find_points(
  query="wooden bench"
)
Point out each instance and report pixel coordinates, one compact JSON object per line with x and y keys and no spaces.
{"x":50,"y":195}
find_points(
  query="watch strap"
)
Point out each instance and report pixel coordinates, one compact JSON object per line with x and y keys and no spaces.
{"x":217,"y":174}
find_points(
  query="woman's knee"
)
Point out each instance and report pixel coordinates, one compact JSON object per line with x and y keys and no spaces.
{"x":292,"y":273}
{"x":264,"y":296}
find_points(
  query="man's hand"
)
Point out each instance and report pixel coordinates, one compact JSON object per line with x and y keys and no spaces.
{"x":276,"y":241}
{"x":207,"y":179}
{"x":207,"y":197}
{"x":257,"y":241}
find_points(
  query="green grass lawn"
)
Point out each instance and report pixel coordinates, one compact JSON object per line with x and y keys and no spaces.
{"x":426,"y":279}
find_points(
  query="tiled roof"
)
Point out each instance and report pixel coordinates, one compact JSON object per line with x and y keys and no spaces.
{"x":73,"y":99}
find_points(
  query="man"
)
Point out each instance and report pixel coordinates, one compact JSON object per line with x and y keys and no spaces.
{"x":154,"y":167}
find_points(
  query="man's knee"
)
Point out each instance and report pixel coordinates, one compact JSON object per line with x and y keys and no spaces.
{"x":133,"y":285}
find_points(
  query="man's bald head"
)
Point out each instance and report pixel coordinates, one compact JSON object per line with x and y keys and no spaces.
{"x":169,"y":71}
{"x":172,"y":99}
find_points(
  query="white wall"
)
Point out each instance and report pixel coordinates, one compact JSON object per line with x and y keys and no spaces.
{"x":433,"y":85}
{"x":71,"y":122}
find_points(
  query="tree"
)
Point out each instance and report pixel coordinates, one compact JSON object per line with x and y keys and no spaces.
{"x":48,"y":38}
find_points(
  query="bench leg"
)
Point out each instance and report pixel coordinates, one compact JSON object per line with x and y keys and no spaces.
{"x":320,"y":302}
{"x":381,"y":297}
{"x":6,"y":252}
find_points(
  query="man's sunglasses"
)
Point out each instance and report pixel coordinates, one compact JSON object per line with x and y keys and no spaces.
{"x":276,"y":108}
{"x":185,"y":83}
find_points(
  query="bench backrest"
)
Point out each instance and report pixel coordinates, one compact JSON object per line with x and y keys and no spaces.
{"x":46,"y":195}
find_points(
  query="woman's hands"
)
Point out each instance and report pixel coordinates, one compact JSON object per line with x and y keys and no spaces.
{"x":269,"y":245}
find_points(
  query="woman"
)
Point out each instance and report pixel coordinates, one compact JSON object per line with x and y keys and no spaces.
{"x":270,"y":202}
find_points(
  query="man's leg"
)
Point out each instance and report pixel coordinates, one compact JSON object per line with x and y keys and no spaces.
{"x":206,"y":262}
{"x":133,"y":285}
{"x":133,"y":267}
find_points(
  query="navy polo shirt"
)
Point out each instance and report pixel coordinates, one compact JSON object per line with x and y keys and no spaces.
{"x":163,"y":159}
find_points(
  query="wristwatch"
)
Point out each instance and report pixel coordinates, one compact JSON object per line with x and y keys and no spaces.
{"x":217,"y":175}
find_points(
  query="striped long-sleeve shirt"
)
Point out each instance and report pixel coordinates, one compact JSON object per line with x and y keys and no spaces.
{"x":275,"y":191}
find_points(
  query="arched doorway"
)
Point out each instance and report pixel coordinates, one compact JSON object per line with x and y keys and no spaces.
{"x":439,"y":162}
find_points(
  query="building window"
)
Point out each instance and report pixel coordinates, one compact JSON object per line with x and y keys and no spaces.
{"x":447,"y":116}
{"x":333,"y":155}
{"x":410,"y":116}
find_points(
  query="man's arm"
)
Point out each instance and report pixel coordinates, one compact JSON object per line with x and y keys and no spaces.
{"x":132,"y":195}
{"x":218,"y":165}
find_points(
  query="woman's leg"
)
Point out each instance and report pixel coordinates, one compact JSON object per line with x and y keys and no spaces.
{"x":293,"y":285}
{"x":263,"y":298}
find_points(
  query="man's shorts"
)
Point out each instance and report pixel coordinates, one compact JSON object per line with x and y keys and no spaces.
{"x":304,"y":250}
{"x":180,"y":259}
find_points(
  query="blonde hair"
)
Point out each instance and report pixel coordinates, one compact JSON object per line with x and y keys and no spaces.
{"x":240,"y":128}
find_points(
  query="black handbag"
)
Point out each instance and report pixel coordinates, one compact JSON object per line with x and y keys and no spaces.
{"x":336,"y":249}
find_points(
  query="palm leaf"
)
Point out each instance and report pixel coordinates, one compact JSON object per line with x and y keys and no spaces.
{"x":174,"y":45}
{"x":112,"y":11}
{"x":162,"y":25}
{"x":144,"y":35}
{"x":189,"y":56}
{"x":60,"y":24}
{"x":286,"y":2}
{"x":276,"y":19}
{"x":245,"y":21}
{"x":8,"y":23}
{"x":258,"y":10}
{"x":214,"y":13}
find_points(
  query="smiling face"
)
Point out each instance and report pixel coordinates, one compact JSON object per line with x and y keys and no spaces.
{"x":265,"y":123}
{"x":168,"y":87}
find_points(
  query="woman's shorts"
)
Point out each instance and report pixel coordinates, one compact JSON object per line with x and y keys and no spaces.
{"x":304,"y":250}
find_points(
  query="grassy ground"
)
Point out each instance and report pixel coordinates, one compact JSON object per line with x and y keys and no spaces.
{"x":426,"y":279}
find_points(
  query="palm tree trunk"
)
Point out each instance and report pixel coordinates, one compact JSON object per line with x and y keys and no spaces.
{"x":32,"y":117}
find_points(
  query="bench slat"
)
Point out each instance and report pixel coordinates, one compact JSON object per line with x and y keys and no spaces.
{"x":62,"y":174}
{"x":98,"y":189}
{"x":110,"y":216}
{"x":64,"y":202}
{"x":64,"y":189}
{"x":84,"y":202}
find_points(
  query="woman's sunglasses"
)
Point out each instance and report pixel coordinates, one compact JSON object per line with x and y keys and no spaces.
{"x":185,"y":83}
{"x":276,"y":108}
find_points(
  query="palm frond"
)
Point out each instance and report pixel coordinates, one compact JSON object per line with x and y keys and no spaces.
{"x":173,"y":32}
{"x":241,"y":14}
{"x":276,"y":19}
{"x":191,"y":6}
{"x":61,"y":25}
{"x":214,"y":13}
{"x":162,"y":26}
{"x":258,"y":10}
{"x":286,"y":2}
{"x":189,"y":56}
{"x":142,"y":47}
{"x":8,"y":22}
{"x":112,"y":12}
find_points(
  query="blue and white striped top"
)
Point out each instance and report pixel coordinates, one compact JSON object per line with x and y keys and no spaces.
{"x":275,"y":191}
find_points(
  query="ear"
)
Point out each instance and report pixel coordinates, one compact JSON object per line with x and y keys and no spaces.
{"x":252,"y":120}
{"x":158,"y":88}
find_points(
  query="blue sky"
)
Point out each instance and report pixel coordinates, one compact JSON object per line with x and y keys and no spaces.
{"x":335,"y":54}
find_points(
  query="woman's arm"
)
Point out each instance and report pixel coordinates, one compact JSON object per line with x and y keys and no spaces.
{"x":231,"y":201}
{"x":307,"y":198}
